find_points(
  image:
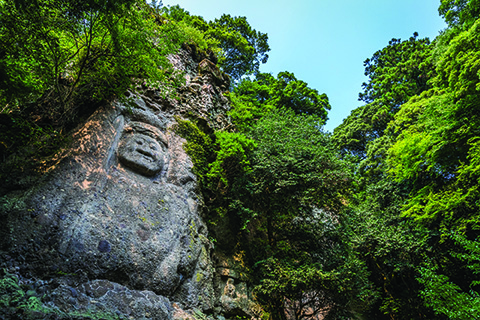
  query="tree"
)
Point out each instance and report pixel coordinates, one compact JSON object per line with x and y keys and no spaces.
{"x":391,"y":247}
{"x":240,"y":48}
{"x":280,"y":182}
{"x":436,"y":152}
{"x":294,"y":190}
{"x":396,"y":73}
{"x":294,"y":166}
{"x":404,"y":82}
{"x":448,"y":298}
{"x":255,"y":98}
{"x":63,"y":49}
{"x":437,"y":136}
{"x":460,"y":12}
{"x":243,"y":48}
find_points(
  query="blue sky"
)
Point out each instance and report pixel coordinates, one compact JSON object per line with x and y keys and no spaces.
{"x":324,"y":42}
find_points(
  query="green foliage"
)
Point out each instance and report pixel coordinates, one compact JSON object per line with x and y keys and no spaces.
{"x":284,"y":285}
{"x":21,"y":301}
{"x":295,"y":94}
{"x":199,"y":315}
{"x":221,"y":162}
{"x":232,"y":158}
{"x":437,"y":143}
{"x":199,"y":147}
{"x":67,"y":50}
{"x":273,"y":178}
{"x":240,"y":48}
{"x":193,"y":27}
{"x":320,"y":274}
{"x":445,"y":296}
{"x":396,"y":73}
{"x":390,"y":247}
{"x":393,"y":246}
{"x":253,"y":99}
{"x":246,"y":112}
{"x":294,"y":161}
{"x":294,"y":170}
{"x":14,"y":297}
{"x":419,"y":175}
{"x":25,"y":148}
{"x":458,"y":66}
{"x":416,"y":156}
{"x":459,"y":12}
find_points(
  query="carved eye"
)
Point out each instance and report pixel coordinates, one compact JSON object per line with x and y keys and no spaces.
{"x":153,"y":147}
{"x":139,"y":142}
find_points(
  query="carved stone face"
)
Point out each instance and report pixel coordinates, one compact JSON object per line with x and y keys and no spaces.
{"x":141,"y":153}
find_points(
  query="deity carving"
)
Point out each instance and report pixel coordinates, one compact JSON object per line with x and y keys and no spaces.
{"x":117,"y":220}
{"x":142,"y":148}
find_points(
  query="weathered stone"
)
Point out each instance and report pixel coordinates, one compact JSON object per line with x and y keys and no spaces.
{"x":103,"y":296}
{"x":116,"y":225}
{"x":121,"y":205}
{"x":232,"y":287}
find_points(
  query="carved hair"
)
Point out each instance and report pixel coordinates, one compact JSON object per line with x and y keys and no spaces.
{"x":146,"y":129}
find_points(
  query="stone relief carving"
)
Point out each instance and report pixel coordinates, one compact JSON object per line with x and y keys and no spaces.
{"x":117,"y":222}
{"x":121,"y":206}
{"x":142,"y":148}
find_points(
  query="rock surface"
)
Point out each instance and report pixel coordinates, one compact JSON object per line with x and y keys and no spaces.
{"x":116,"y":226}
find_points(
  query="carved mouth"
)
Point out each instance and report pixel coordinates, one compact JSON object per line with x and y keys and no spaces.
{"x":146,"y":154}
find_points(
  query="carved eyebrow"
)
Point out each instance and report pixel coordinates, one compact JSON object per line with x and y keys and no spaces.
{"x":140,"y":129}
{"x":155,"y":137}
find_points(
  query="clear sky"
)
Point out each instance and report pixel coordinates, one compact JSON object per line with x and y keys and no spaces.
{"x":324,"y":42}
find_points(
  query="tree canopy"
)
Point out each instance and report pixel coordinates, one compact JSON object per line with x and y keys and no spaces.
{"x":240,"y":49}
{"x":253,"y":98}
{"x":379,"y":220}
{"x":63,"y":49}
{"x":396,"y":73}
{"x":418,"y":135}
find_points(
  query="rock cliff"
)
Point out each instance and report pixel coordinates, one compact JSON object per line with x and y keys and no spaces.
{"x":115,"y":228}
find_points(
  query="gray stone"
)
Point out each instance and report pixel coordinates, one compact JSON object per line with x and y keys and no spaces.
{"x":116,"y":224}
{"x":105,"y":297}
{"x":120,"y":205}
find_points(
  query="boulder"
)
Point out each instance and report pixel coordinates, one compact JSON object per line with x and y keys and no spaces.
{"x":116,"y":226}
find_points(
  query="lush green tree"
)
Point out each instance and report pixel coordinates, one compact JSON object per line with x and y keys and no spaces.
{"x":436,"y":152}
{"x":251,"y":100}
{"x":295,"y":167}
{"x":243,"y":48}
{"x":240,"y":48}
{"x":417,"y":135}
{"x":446,"y":297}
{"x":195,"y":27}
{"x":460,"y":12}
{"x":296,"y":185}
{"x":281,"y":183}
{"x":396,"y":73}
{"x":391,"y":247}
{"x":255,"y":98}
{"x":358,"y":129}
{"x":62,"y":49}
{"x":438,"y":133}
